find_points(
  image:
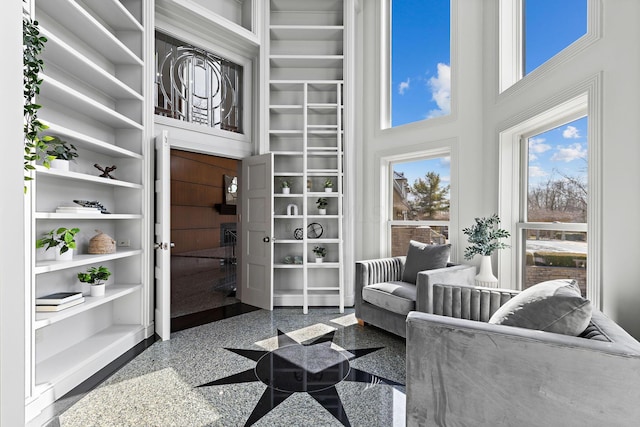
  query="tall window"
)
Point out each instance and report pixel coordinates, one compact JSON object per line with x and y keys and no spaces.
{"x":420,"y":60}
{"x":421,"y":200}
{"x":553,"y":230}
{"x":196,"y":86}
{"x":549,"y":27}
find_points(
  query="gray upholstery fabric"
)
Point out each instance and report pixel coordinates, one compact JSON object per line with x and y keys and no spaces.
{"x":398,"y":297}
{"x":421,"y":256}
{"x":468,"y":301}
{"x":468,"y":373}
{"x":369,"y":272}
{"x":552,"y":306}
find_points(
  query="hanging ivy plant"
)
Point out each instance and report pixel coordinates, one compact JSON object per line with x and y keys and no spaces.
{"x":33,"y":44}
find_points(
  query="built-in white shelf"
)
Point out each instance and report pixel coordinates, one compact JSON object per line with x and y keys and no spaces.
{"x":288,"y":216}
{"x":286,"y":132}
{"x":287,"y":241}
{"x":115,"y":15}
{"x":307,"y":32}
{"x":64,"y":364}
{"x":93,"y":144}
{"x":48,"y":266}
{"x":289,"y":266}
{"x":76,"y":19}
{"x":83,"y":104}
{"x":285,"y":108}
{"x":324,"y":216}
{"x":112,"y":292}
{"x":56,"y":173}
{"x":63,"y":55}
{"x":324,"y":264}
{"x":306,"y":61}
{"x":99,"y":216}
{"x":321,"y":240}
{"x":288,"y":153}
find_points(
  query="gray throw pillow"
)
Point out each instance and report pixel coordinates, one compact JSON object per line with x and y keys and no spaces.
{"x":552,"y":306}
{"x":424,"y":257}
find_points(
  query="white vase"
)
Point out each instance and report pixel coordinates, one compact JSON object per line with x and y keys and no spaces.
{"x":285,"y":190}
{"x":97,"y":290}
{"x":322,"y":211}
{"x":328,"y":189}
{"x":59,"y":164}
{"x":67,"y":256}
{"x":485,"y":277}
{"x":319,"y":260}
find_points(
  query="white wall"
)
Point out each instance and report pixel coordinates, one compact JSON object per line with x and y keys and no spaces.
{"x":12,"y":277}
{"x":480,"y":113}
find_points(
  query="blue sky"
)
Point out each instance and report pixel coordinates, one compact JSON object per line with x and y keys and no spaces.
{"x":557,"y":152}
{"x":421,"y":77}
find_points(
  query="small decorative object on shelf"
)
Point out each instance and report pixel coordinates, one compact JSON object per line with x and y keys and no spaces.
{"x":309,"y":185}
{"x":484,"y":237}
{"x":320,"y":252}
{"x":322,"y":203}
{"x":292,"y":209}
{"x":288,"y":259}
{"x":92,"y":204}
{"x":314,"y":230}
{"x":63,"y":237}
{"x":297,"y":259}
{"x":59,"y":307}
{"x":95,"y":276}
{"x":328,"y":185}
{"x":106,"y":171}
{"x":61,"y":153}
{"x":286,"y":186}
{"x":102,"y":244}
{"x":297,"y":234}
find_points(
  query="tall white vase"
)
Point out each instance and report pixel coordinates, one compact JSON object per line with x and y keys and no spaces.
{"x":485,"y":277}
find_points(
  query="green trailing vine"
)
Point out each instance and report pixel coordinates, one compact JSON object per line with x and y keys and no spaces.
{"x":33,"y":44}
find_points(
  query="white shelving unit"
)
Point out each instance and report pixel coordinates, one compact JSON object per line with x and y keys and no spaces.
{"x":306,"y":135}
{"x":93,"y":96}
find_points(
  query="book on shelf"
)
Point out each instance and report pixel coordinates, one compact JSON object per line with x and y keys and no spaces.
{"x":59,"y":307}
{"x":58,"y":298}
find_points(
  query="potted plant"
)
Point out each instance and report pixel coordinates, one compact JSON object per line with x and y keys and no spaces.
{"x":322,"y":205}
{"x":63,"y":237}
{"x":484,"y":237}
{"x":286,"y":186}
{"x":320,"y":253}
{"x":328,"y":185}
{"x":95,"y":276}
{"x":61,"y":152}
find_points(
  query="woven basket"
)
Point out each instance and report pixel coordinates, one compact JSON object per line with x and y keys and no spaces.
{"x":102,"y":244}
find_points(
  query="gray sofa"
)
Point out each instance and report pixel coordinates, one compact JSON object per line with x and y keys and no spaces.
{"x":387,"y":307}
{"x":462,"y":371}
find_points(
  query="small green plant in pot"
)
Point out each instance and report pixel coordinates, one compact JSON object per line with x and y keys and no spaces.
{"x":328,"y":185}
{"x":64,"y":238}
{"x":61,"y":152}
{"x":484,"y":237}
{"x":95,"y":276}
{"x":322,"y":203}
{"x":286,"y":186}
{"x":320,"y":252}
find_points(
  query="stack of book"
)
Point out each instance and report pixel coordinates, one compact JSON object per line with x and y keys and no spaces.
{"x":77,"y":210}
{"x":58,"y":301}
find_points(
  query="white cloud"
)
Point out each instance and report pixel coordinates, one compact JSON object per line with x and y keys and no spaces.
{"x":440,"y":87}
{"x":404,"y":86}
{"x":445,"y":178}
{"x":537,"y":145}
{"x":537,"y":171}
{"x":569,"y":153}
{"x":571,"y":132}
{"x":445,"y":161}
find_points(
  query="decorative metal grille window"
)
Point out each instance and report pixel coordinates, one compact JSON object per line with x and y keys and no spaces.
{"x":196,"y":86}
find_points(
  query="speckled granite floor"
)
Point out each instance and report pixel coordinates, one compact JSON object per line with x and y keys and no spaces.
{"x":261,"y":368}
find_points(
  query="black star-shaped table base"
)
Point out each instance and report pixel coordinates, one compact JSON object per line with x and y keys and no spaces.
{"x":313,"y":368}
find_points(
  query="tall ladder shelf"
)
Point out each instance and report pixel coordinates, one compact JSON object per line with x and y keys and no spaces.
{"x":306,"y":137}
{"x":93,"y":96}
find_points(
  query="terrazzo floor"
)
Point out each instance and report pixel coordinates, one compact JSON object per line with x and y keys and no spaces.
{"x":262,"y":368}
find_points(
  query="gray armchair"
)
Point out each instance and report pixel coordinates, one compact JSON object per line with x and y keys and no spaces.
{"x":382,"y":299}
{"x":463,"y":371}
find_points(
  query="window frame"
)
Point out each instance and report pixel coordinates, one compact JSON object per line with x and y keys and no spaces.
{"x":383,"y":11}
{"x":510,"y":15}
{"x":584,"y":99}
{"x":448,"y":149}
